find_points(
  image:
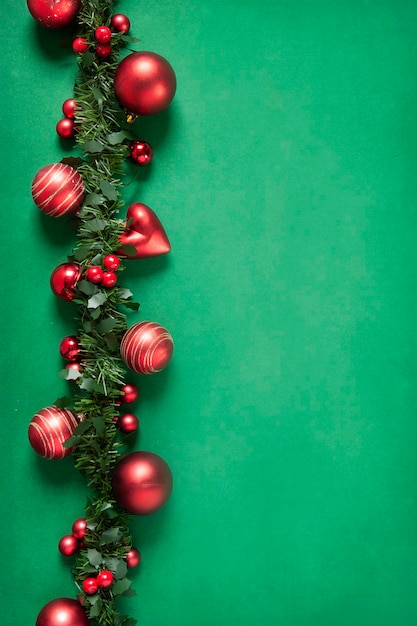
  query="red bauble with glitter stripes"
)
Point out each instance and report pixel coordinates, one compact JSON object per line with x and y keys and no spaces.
{"x":58,"y":190}
{"x":48,"y":431}
{"x":146,"y":347}
{"x":56,"y":14}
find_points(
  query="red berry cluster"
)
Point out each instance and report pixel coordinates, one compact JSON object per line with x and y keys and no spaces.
{"x":103,"y":580}
{"x":108,"y":277}
{"x":65,"y":127}
{"x":69,"y":545}
{"x":119,"y":23}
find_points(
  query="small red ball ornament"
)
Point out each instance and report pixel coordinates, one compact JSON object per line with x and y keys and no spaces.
{"x":62,"y":612}
{"x":69,"y":348}
{"x":144,"y":83}
{"x":79,"y":528}
{"x":80,"y":45}
{"x":58,"y":189}
{"x":141,"y":153}
{"x":94,"y":274}
{"x":129,"y":393}
{"x":111,"y":262}
{"x":64,"y":279}
{"x":103,"y":50}
{"x":120,"y":23}
{"x":68,"y":545}
{"x":133,"y":558}
{"x":128,"y":423}
{"x":68,"y":108}
{"x":65,"y":128}
{"x":105,"y":579}
{"x":109,"y":279}
{"x":146,"y":347}
{"x":102,"y":34}
{"x":142,"y":483}
{"x":48,"y":431}
{"x":90,"y":585}
{"x":56,"y":14}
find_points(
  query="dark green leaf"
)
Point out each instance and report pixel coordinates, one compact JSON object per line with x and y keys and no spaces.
{"x":129,"y":593}
{"x":112,"y":342}
{"x":97,"y":259}
{"x":93,"y":146}
{"x":87,"y":384}
{"x":95,"y":225}
{"x":86,"y":287}
{"x":99,"y":425}
{"x":71,"y":441}
{"x":88,"y":327}
{"x":63,"y":402}
{"x":87,"y":58}
{"x":124,"y":294}
{"x":106,"y":325}
{"x":121,"y":586}
{"x":129,"y":39}
{"x":111,"y":535}
{"x":96,"y":608}
{"x":94,"y":199}
{"x":98,"y":96}
{"x":73,"y":161}
{"x":115,"y":138}
{"x":97,"y":300}
{"x":82,"y":427}
{"x":131,"y":305}
{"x":82,"y":253}
{"x":108,"y":189}
{"x":95,"y":314}
{"x":121,"y":570}
{"x":129,"y":250}
{"x":106,"y":506}
{"x":69,"y":374}
{"x":94,"y":557}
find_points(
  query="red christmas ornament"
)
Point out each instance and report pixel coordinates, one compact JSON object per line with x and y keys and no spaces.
{"x":144,"y":83}
{"x":142,"y":483}
{"x":90,"y":585}
{"x":133,"y":558}
{"x":94,"y":274}
{"x":48,"y":431}
{"x":111,"y":262}
{"x":62,"y":612}
{"x":76,"y":367}
{"x":102,"y":34}
{"x":58,"y":189}
{"x":65,"y":128}
{"x":141,"y":153}
{"x":120,"y":23}
{"x":146,"y":347}
{"x":129,"y":393}
{"x":64,"y":279}
{"x":145,"y":233}
{"x":109,"y":279}
{"x":128,"y":423}
{"x":68,"y":108}
{"x":80,"y":45}
{"x":105,"y":579}
{"x":103,"y":50}
{"x":79,"y":528}
{"x":68,"y":545}
{"x":69,"y":348}
{"x":56,"y":14}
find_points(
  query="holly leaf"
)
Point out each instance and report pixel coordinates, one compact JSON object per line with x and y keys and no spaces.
{"x":105,"y":506}
{"x":97,"y":259}
{"x":87,"y":385}
{"x":88,"y":326}
{"x":112,"y":342}
{"x":82,"y":253}
{"x":82,"y":427}
{"x":119,"y":137}
{"x":121,"y":570}
{"x":93,"y":146}
{"x":96,"y":608}
{"x":95,"y":225}
{"x":71,"y":441}
{"x":129,"y":39}
{"x":94,"y":557}
{"x":99,"y":425}
{"x":69,"y":374}
{"x":108,"y":189}
{"x":120,"y":587}
{"x":131,"y":305}
{"x":106,"y":325}
{"x":63,"y":402}
{"x":128,"y":249}
{"x":124,"y":294}
{"x":86,"y":287}
{"x":95,"y":314}
{"x":98,"y":96}
{"x":72,"y":161}
{"x":96,"y":300}
{"x":111,"y":535}
{"x":87,"y":58}
{"x":93,"y":199}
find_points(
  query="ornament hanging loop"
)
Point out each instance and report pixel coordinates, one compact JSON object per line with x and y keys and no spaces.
{"x":130,"y":117}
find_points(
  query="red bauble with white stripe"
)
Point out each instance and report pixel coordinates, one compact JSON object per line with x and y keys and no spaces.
{"x":48,"y":431}
{"x":146,"y":347}
{"x":58,"y":190}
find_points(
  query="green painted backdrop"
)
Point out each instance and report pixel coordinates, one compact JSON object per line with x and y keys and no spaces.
{"x":286,"y":177}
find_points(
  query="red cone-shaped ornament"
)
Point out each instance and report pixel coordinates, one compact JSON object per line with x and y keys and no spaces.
{"x":54,"y":13}
{"x":142,"y":483}
{"x":62,"y":612}
{"x":58,"y":190}
{"x":146,"y":347}
{"x":144,"y":83}
{"x":145,"y":233}
{"x":48,"y":431}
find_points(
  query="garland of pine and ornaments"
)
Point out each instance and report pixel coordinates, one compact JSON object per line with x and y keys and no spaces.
{"x":93,"y":425}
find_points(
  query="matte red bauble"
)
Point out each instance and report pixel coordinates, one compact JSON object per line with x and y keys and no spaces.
{"x":62,"y":612}
{"x":69,"y":348}
{"x":54,"y":14}
{"x":128,"y":423}
{"x":133,"y":557}
{"x":48,"y":431}
{"x":79,"y":528}
{"x":120,"y":23}
{"x":65,"y":128}
{"x":144,"y":83}
{"x":58,"y":189}
{"x":141,"y":153}
{"x":68,"y":545}
{"x":68,"y":108}
{"x":142,"y":483}
{"x":145,"y":233}
{"x":146,"y":347}
{"x":64,"y":279}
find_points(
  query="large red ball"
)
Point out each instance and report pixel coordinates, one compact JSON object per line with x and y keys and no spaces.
{"x":62,"y":612}
{"x":64,"y":279}
{"x":142,"y":483}
{"x":54,"y":14}
{"x":58,"y":190}
{"x":144,"y":83}
{"x":146,"y":347}
{"x":48,"y":431}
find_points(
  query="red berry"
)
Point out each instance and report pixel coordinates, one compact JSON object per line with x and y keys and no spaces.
{"x":90,"y":585}
{"x":79,"y":45}
{"x":79,"y":527}
{"x":128,"y":423}
{"x":111,"y":262}
{"x":103,"y":50}
{"x":133,"y":557}
{"x":68,"y":108}
{"x":68,"y":545}
{"x":129,"y":393}
{"x":103,"y":34}
{"x":105,"y":579}
{"x":94,"y":274}
{"x":65,"y":128}
{"x":109,"y":279}
{"x":120,"y":23}
{"x":74,"y":366}
{"x":69,"y":348}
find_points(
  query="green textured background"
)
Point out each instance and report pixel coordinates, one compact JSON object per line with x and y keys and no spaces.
{"x":286,"y":177}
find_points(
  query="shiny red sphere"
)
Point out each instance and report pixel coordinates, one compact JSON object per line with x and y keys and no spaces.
{"x":94,"y":274}
{"x":68,"y":108}
{"x":142,"y":483}
{"x":62,"y":612}
{"x":57,"y":14}
{"x":133,"y":558}
{"x":49,"y":429}
{"x":80,"y":45}
{"x":64,"y":279}
{"x":109,"y":279}
{"x":129,"y":393}
{"x":103,"y":50}
{"x":146,"y":347}
{"x":68,"y":545}
{"x":105,"y":579}
{"x":90,"y":585}
{"x":141,"y":153}
{"x":128,"y":423}
{"x":65,"y":128}
{"x":58,"y":189}
{"x":69,"y":348}
{"x":144,"y":83}
{"x":79,"y":528}
{"x":111,"y":262}
{"x":102,"y":34}
{"x":120,"y":23}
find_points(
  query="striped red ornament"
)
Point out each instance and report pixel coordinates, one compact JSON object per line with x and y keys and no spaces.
{"x":58,"y":190}
{"x":49,"y":429}
{"x":146,"y":347}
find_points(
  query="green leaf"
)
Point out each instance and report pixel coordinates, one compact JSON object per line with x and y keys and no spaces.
{"x":69,"y":374}
{"x":87,"y":58}
{"x":82,"y":427}
{"x":98,"y":96}
{"x":112,"y":535}
{"x":124,"y":294}
{"x":87,"y":384}
{"x":99,"y":425}
{"x":120,"y":587}
{"x":63,"y":402}
{"x":95,"y":225}
{"x":106,"y":325}
{"x":72,"y":161}
{"x":93,"y":146}
{"x":105,"y":506}
{"x":132,"y":305}
{"x":96,"y":608}
{"x":115,"y":138}
{"x":97,"y":259}
{"x":82,"y":253}
{"x":129,"y":39}
{"x":95,"y":314}
{"x":94,"y":557}
{"x":88,"y":326}
{"x":112,"y":342}
{"x":95,"y":200}
{"x":129,"y":250}
{"x":71,"y":441}
{"x":108,"y":189}
{"x":86,"y":287}
{"x":97,"y":300}
{"x":121,"y":570}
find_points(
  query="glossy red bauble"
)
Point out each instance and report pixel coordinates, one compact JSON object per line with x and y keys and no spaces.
{"x":80,"y":45}
{"x":69,"y":348}
{"x":144,"y":83}
{"x":58,"y":189}
{"x":129,"y":393}
{"x":102,"y":34}
{"x":103,"y":50}
{"x":62,"y":612}
{"x":109,"y":279}
{"x":68,"y":108}
{"x":105,"y":579}
{"x":120,"y":23}
{"x":65,"y":128}
{"x":94,"y":274}
{"x":56,"y":14}
{"x":142,"y":483}
{"x":111,"y":262}
{"x":133,"y":558}
{"x":90,"y":585}
{"x":145,"y":233}
{"x":48,"y":431}
{"x":146,"y":347}
{"x":64,"y":279}
{"x":79,"y":528}
{"x":128,"y":423}
{"x":141,"y":153}
{"x":68,"y":545}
